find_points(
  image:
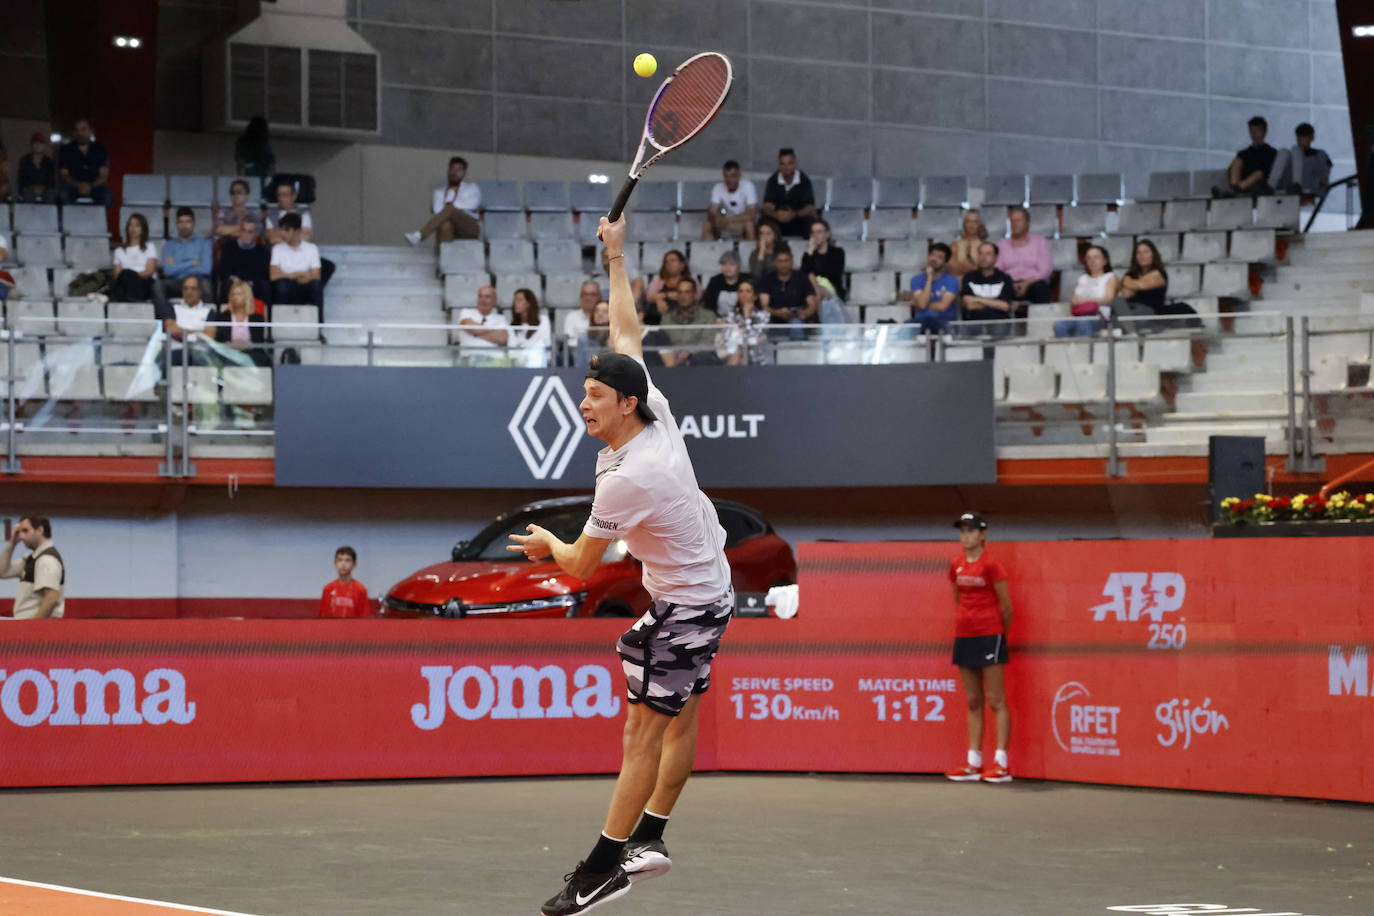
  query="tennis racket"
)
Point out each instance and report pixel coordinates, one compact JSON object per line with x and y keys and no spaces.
{"x":686,"y":102}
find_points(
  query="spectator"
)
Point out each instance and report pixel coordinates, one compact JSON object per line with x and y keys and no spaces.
{"x":84,"y":167}
{"x":788,"y":199}
{"x":598,"y":334}
{"x":1249,"y":171}
{"x":1026,"y":257}
{"x":935,"y":293}
{"x":295,"y":268}
{"x":135,"y":265}
{"x":186,"y":255}
{"x":744,"y":340}
{"x":631,"y":273}
{"x":37,"y":174}
{"x":788,"y":296}
{"x":690,"y":345}
{"x":253,"y":151}
{"x":988,"y":292}
{"x":240,"y":325}
{"x":42,"y":574}
{"x":528,"y":330}
{"x":245,"y":258}
{"x":575,"y":324}
{"x":1094,"y":289}
{"x":767,"y":247}
{"x":454,"y":210}
{"x":286,"y":203}
{"x":186,"y":315}
{"x":822,"y":259}
{"x":228,"y":219}
{"x":673,"y":269}
{"x":964,"y":253}
{"x":722,"y":289}
{"x":1304,"y":169}
{"x":489,"y":327}
{"x":1146,"y":284}
{"x":734,"y":206}
{"x":345,"y":596}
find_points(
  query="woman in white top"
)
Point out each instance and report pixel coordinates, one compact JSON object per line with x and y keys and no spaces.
{"x":1094,"y":289}
{"x":529,"y":336}
{"x":135,"y":264}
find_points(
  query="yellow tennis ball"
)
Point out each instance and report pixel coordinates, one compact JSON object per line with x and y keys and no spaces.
{"x":645,"y":65}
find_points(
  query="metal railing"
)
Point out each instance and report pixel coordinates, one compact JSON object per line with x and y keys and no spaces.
{"x":178,"y":395}
{"x":1351,"y":185}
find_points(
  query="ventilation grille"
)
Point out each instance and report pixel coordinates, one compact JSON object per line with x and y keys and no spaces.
{"x":325,"y":90}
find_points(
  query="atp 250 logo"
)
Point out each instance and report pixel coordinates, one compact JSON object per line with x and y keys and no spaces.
{"x":1132,"y":596}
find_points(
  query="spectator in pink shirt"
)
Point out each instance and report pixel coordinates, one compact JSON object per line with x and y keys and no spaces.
{"x":1026,"y":257}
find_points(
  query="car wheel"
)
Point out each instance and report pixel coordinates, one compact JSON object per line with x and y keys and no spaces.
{"x":613,"y":609}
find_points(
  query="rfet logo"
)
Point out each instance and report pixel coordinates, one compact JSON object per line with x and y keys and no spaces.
{"x":1348,"y":675}
{"x":1133,"y":595}
{"x":29,"y":697}
{"x":514,"y":692}
{"x":1081,"y":726}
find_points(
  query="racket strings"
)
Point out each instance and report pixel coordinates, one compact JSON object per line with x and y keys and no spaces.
{"x":689,"y":100}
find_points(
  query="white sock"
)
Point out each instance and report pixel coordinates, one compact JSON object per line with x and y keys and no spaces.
{"x":1001,"y":758}
{"x":975,"y":758}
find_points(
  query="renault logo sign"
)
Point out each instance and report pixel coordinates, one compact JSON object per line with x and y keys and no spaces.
{"x":546,"y":461}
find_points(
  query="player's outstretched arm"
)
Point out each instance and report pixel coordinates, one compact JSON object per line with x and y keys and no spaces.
{"x":626,"y":334}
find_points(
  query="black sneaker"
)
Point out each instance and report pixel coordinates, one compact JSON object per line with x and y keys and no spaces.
{"x":585,"y":890}
{"x":645,"y":860}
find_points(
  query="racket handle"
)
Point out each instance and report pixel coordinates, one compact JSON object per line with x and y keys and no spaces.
{"x":622,"y":199}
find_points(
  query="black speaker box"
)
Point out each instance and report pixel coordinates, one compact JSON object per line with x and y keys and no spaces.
{"x":1235,"y":467}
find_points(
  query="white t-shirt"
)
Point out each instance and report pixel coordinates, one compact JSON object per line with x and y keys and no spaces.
{"x":47,"y":573}
{"x":1092,"y":289}
{"x":734,"y":201}
{"x":191,"y":317}
{"x":522,"y":335}
{"x":647,"y":494}
{"x":491,"y":321}
{"x":135,"y":259}
{"x":575,"y":324}
{"x":303,"y":257}
{"x":274,"y":216}
{"x":467,"y":196}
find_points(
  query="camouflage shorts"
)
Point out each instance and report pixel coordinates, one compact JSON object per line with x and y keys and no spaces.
{"x":667,"y":653}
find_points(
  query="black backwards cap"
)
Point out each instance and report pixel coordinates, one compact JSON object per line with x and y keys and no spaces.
{"x":624,"y":374}
{"x":972,"y":520}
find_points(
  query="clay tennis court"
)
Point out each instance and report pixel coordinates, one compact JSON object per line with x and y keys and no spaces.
{"x":742,"y":844}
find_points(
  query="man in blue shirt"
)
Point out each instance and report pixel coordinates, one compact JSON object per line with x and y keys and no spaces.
{"x":934,"y":293}
{"x":184,"y":256}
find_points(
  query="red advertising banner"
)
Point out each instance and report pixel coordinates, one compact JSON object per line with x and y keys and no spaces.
{"x":1238,"y":666}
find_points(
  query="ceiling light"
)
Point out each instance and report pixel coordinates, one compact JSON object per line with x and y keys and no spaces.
{"x":1363,"y":31}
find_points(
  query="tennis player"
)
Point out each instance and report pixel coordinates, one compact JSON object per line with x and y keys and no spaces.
{"x":982,"y":615}
{"x":646,"y":494}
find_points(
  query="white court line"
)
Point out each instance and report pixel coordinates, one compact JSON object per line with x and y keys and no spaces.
{"x":120,"y":897}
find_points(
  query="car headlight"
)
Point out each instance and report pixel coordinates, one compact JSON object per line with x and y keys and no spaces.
{"x":569,"y":604}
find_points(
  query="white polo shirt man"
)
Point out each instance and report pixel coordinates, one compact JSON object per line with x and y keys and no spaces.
{"x":37,"y":573}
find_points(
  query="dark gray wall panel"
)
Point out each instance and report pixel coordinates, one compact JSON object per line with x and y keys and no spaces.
{"x":804,"y":31}
{"x":934,"y":99}
{"x":431,"y":57}
{"x":716,"y":25}
{"x":810,"y":89}
{"x":545,"y":66}
{"x":1180,"y":18}
{"x":1153,"y":63}
{"x":927,"y":42}
{"x":1153,"y":118}
{"x":470,"y":14}
{"x":1260,"y":73}
{"x":597,"y":20}
{"x":560,"y":127}
{"x":1031,"y":52}
{"x":429,"y":117}
{"x":1040,"y":108}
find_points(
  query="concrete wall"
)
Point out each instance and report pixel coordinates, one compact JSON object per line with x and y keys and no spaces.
{"x":891,"y":87}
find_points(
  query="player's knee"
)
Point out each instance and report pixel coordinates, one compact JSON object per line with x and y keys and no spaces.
{"x":975,"y":702}
{"x":997,"y":702}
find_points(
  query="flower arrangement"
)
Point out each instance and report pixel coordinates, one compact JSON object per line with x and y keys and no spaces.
{"x":1301,"y":508}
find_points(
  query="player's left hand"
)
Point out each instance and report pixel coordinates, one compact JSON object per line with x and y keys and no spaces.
{"x":536,"y":545}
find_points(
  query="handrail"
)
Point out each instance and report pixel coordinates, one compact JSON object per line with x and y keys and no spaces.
{"x":1317,"y":207}
{"x":1348,"y":475}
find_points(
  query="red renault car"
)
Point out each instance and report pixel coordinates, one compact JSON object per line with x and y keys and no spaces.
{"x":483,"y":578}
